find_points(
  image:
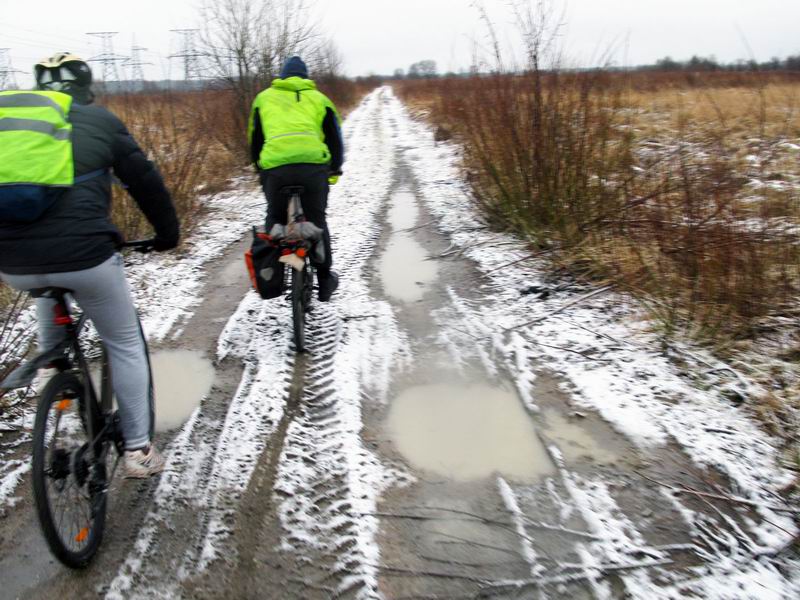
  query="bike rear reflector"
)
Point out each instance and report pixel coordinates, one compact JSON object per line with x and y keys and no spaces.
{"x":301,"y":252}
{"x":61,"y":316}
{"x":82,"y":535}
{"x":63,"y":405}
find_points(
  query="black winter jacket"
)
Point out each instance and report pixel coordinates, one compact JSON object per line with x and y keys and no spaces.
{"x":76,"y":233}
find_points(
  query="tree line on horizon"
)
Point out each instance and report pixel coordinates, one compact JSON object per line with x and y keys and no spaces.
{"x":427,"y":69}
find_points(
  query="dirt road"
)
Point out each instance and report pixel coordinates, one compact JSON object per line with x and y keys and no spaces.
{"x":460,"y":427}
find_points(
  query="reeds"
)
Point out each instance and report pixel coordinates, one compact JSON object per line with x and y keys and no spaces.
{"x":682,"y":192}
{"x":179,"y":132}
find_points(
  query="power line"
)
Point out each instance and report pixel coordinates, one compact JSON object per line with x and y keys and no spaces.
{"x":107,"y":57}
{"x":189,"y":53}
{"x":7,"y":79}
{"x":41,"y":36}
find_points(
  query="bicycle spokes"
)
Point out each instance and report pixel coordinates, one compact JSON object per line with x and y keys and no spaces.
{"x":69,"y":482}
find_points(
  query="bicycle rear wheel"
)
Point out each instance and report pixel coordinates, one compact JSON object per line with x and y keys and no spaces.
{"x":299,"y":279}
{"x":68,"y":485}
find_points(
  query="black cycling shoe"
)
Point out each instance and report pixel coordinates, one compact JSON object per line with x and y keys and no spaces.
{"x":327,"y":285}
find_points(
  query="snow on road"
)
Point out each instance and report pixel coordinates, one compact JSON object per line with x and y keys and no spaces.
{"x":309,"y":414}
{"x":322,"y":454}
{"x":168,"y":287}
{"x":607,"y":363}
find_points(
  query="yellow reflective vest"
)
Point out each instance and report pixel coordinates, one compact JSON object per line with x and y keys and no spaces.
{"x":291,"y":112}
{"x":35,"y":144}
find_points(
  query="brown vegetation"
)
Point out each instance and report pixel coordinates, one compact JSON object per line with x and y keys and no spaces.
{"x":682,"y":190}
{"x":197,"y":140}
{"x":687,"y":195}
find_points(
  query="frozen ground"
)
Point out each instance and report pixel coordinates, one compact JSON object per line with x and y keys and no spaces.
{"x":346,"y":472}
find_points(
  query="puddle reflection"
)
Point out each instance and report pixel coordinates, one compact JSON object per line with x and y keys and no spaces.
{"x":404,"y":269}
{"x":467,"y":432}
{"x":181,"y":378}
{"x":404,"y":211}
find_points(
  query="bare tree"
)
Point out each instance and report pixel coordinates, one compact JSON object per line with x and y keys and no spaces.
{"x":422,"y":69}
{"x":540,"y":27}
{"x":245,"y":42}
{"x":325,"y":62}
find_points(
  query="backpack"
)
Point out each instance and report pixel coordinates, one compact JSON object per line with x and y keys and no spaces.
{"x":36,"y":164}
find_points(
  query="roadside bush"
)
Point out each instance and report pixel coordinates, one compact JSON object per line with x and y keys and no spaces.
{"x":179,"y":134}
{"x":685,"y":196}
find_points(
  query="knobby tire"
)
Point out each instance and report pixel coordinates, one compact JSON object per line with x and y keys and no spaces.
{"x":64,"y":386}
{"x":299,"y":308}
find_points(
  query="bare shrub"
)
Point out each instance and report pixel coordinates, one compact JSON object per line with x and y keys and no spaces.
{"x":15,"y":336}
{"x":676,"y":186}
{"x":177,"y":134}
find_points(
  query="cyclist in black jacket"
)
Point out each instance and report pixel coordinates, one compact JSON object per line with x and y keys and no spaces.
{"x":73,"y":245}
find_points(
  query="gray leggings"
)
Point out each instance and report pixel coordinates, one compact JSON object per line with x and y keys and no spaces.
{"x":103,"y":294}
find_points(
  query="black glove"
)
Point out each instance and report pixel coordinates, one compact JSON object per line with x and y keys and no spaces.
{"x":162,"y":243}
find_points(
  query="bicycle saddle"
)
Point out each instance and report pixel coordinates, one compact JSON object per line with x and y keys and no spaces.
{"x":291,"y":190}
{"x":49,"y":292}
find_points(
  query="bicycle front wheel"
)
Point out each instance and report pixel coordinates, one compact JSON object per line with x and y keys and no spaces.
{"x":299,"y":308}
{"x":68,"y":484}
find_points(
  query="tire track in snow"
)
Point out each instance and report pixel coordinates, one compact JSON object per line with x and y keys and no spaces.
{"x":328,"y":481}
{"x":209,"y":464}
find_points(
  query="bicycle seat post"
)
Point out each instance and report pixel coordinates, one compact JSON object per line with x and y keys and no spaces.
{"x":295,"y":208}
{"x":61,"y":308}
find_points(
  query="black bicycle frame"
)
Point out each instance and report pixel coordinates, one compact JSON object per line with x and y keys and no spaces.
{"x":96,"y":409}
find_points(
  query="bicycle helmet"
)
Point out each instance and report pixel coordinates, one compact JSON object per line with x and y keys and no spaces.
{"x":63,"y":72}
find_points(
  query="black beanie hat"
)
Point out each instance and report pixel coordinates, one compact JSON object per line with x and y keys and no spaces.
{"x":294,"y":67}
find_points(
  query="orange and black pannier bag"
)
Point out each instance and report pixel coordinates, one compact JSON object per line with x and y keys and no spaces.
{"x":263,"y":264}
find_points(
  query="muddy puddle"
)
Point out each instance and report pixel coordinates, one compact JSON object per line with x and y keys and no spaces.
{"x":404,"y":266}
{"x":234,"y":272}
{"x":472,"y":431}
{"x":574,"y":441}
{"x":466,"y":432}
{"x":182,"y":378}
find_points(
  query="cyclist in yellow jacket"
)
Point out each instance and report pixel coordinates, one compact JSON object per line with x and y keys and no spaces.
{"x":295,"y":139}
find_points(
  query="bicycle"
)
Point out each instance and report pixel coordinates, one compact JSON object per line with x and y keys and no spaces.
{"x":73,"y":434}
{"x":295,"y":247}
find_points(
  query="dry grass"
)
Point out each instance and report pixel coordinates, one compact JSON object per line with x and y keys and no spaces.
{"x":683,"y":190}
{"x":687,"y":196}
{"x":14,"y":339}
{"x":178,"y":132}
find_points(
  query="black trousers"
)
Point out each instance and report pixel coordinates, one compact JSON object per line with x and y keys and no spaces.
{"x":314,"y":178}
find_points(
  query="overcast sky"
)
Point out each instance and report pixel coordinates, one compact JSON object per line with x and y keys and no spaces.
{"x":378,"y":36}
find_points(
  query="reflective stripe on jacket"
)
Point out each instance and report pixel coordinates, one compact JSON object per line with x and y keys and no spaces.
{"x":35,"y":145}
{"x":291,"y":112}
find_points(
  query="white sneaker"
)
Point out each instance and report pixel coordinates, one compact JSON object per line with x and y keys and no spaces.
{"x":140,"y":464}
